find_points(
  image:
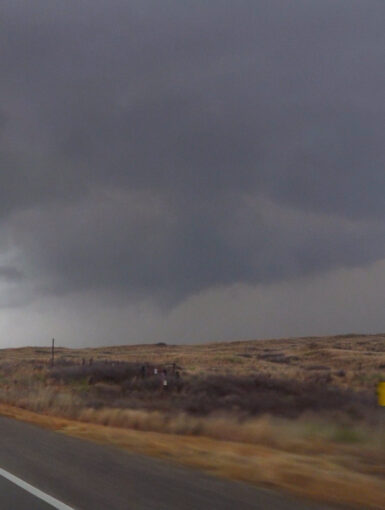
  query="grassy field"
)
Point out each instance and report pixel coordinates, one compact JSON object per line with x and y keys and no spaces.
{"x":299,"y":414}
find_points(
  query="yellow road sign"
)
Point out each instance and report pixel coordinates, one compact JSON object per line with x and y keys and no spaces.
{"x":381,"y":393}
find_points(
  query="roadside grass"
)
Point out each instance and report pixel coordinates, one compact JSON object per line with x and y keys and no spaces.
{"x":314,"y":471}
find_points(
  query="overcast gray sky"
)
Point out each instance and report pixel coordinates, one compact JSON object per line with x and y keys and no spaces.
{"x":188,"y":171}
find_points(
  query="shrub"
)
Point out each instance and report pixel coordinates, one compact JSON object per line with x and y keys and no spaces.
{"x":114,"y":372}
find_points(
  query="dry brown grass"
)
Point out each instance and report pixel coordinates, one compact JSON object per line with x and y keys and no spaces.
{"x":340,"y":459}
{"x":362,"y":358}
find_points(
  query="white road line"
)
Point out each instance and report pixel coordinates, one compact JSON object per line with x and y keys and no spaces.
{"x":36,"y":492}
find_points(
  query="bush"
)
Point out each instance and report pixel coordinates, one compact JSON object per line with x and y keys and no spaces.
{"x":262,"y":394}
{"x":112,"y":372}
{"x":123,"y":384}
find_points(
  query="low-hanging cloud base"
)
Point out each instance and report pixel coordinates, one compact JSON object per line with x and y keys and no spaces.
{"x":341,"y":301}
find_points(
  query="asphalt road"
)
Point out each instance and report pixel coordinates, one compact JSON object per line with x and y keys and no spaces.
{"x":12,"y":496}
{"x":88,"y":476}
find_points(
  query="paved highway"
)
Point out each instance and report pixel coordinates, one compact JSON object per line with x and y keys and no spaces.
{"x":42,"y":470}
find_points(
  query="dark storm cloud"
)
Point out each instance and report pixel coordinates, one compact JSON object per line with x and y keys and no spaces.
{"x":9,"y":273}
{"x":165,"y":148}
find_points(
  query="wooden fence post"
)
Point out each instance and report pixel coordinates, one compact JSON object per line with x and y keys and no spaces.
{"x":53,"y":352}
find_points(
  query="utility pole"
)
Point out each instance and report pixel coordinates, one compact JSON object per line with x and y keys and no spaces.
{"x":53,"y":352}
